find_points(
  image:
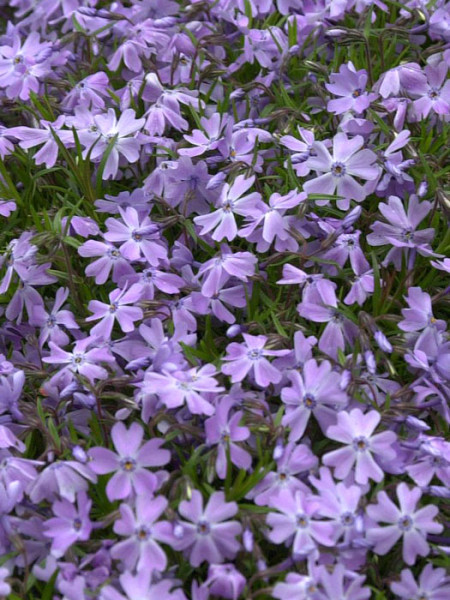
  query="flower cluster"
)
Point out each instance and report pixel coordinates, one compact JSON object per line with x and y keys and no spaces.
{"x":224,"y":293}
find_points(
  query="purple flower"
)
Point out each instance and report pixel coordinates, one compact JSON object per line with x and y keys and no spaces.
{"x":110,"y":259}
{"x":217,"y":271}
{"x":295,"y":459}
{"x":115,"y":136}
{"x":50,"y":322}
{"x":334,"y":587}
{"x":176,"y":388}
{"x":435,"y":94}
{"x":298,"y":522}
{"x":81,"y":360}
{"x":249,"y":357}
{"x":311,"y":391}
{"x":225,"y":431}
{"x":205,"y":140}
{"x":419,"y":315}
{"x":117,"y":309}
{"x":406,"y":77}
{"x":319,"y":304}
{"x":350,"y":85}
{"x":21,"y":65}
{"x":302,"y":150}
{"x":30,"y":137}
{"x":208,"y":533}
{"x":433,"y":584}
{"x":225,"y":581}
{"x":231,"y":202}
{"x":7,"y":207}
{"x":64,"y":479}
{"x":130,"y":463}
{"x":143,"y":531}
{"x":69,"y":525}
{"x":140,"y":586}
{"x":355,"y":429}
{"x":300,"y":587}
{"x":340,"y":504}
{"x":338,"y":170}
{"x":405,"y":523}
{"x":139,"y":237}
{"x":400,"y":229}
{"x":88,"y":92}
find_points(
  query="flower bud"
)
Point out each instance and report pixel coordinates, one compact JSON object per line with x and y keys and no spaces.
{"x":382,"y":341}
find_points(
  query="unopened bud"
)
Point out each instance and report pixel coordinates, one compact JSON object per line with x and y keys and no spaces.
{"x":79,"y":454}
{"x":247,"y":539}
{"x":382,"y":342}
{"x":345,"y":379}
{"x":417,"y":424}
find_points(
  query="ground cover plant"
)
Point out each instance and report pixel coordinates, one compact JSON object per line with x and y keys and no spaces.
{"x":224,"y":294}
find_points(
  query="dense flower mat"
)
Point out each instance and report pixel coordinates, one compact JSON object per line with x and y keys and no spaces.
{"x":224,"y":292}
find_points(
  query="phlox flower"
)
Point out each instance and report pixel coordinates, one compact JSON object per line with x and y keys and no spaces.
{"x":224,"y":430}
{"x":338,"y":171}
{"x":69,"y":525}
{"x":298,"y":522}
{"x":82,"y":359}
{"x":433,"y":584}
{"x":406,"y":523}
{"x":312,"y":392}
{"x":117,"y":309}
{"x":350,"y":85}
{"x":177,"y":387}
{"x":139,"y":236}
{"x":207,"y":534}
{"x":250,"y":357}
{"x":143,"y":531}
{"x":130,"y":462}
{"x":140,"y":586}
{"x":355,"y":429}
{"x":222,"y":222}
{"x":119,"y":133}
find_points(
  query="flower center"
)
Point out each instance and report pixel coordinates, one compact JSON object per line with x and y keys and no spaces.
{"x":78,"y":359}
{"x":405,"y":523}
{"x":128,"y":464}
{"x":433,"y":93}
{"x":309,"y":401}
{"x":228,"y":206}
{"x":302,"y":521}
{"x":137,"y":237}
{"x":357,"y":93}
{"x":143,"y":533}
{"x":347,"y":519}
{"x":203,"y":527}
{"x":113,"y":307}
{"x":338,"y":169}
{"x":77,"y":524}
{"x":255,"y":354}
{"x":408,"y":235}
{"x":360,"y":444}
{"x":51,"y":321}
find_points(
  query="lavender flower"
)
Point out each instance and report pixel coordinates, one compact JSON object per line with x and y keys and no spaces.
{"x":356,"y":430}
{"x":208,"y":534}
{"x":338,"y":170}
{"x":250,"y":357}
{"x":69,"y":525}
{"x":130,"y":463}
{"x":406,"y":523}
{"x":310,"y":393}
